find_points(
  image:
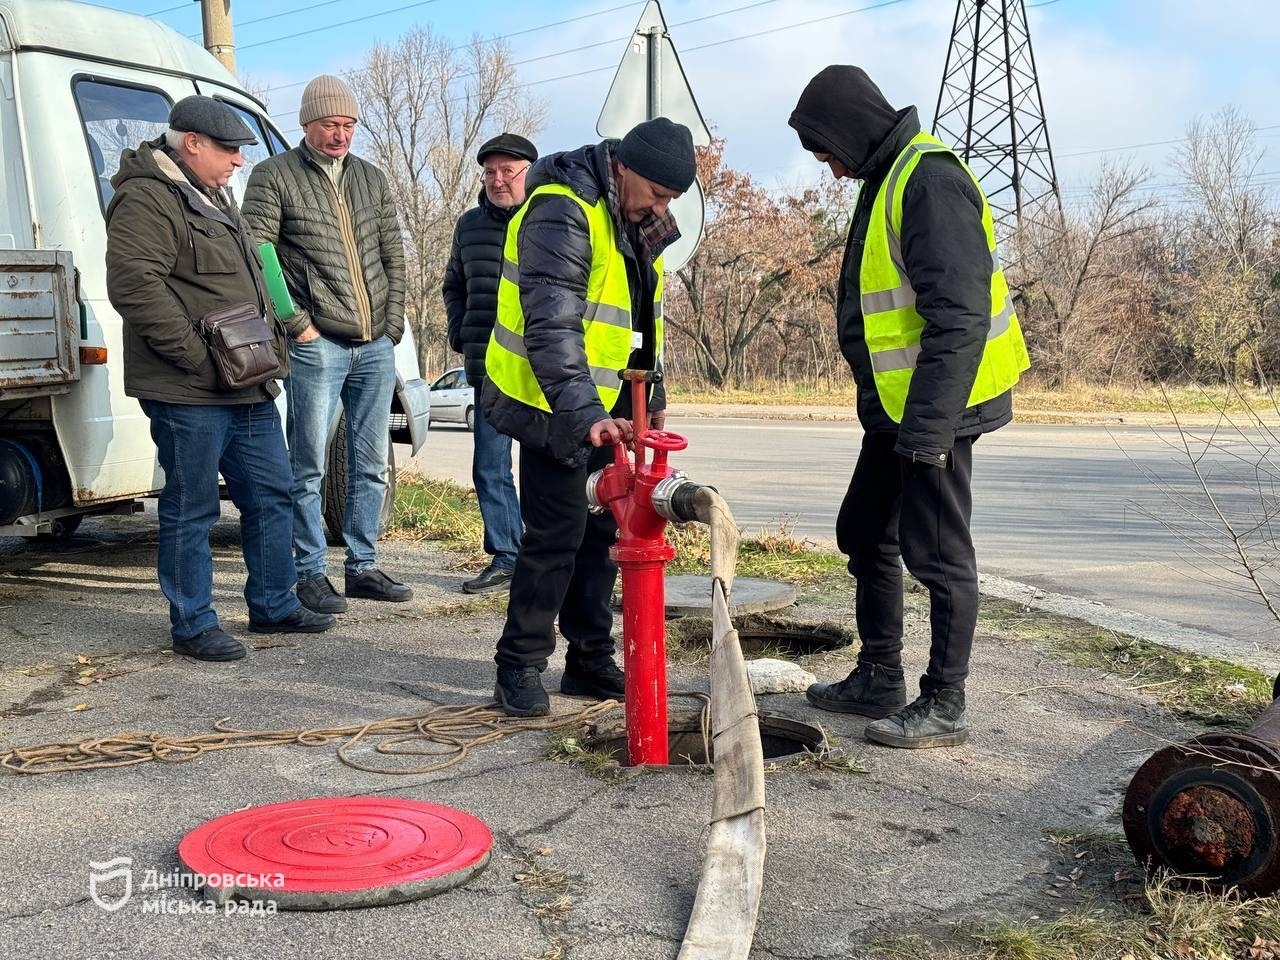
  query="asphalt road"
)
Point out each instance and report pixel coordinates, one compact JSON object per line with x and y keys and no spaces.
{"x":1079,"y":510}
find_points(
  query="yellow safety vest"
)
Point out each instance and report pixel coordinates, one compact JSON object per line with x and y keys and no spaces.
{"x":606,"y":322}
{"x":891,"y":323}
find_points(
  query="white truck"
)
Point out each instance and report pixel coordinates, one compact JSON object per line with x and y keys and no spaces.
{"x":79,"y":84}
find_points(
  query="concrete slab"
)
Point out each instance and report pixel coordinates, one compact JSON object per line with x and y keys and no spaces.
{"x":689,"y":595}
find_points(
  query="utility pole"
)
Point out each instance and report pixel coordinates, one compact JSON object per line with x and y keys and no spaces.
{"x":990,"y":111}
{"x":218,"y":37}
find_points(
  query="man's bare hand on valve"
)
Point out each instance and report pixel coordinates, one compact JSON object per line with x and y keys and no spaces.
{"x":610,"y":431}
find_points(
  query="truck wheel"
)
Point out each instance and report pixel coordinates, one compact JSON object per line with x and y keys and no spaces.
{"x":333,"y":493}
{"x":63,"y":528}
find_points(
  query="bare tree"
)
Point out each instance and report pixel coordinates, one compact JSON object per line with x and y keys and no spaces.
{"x":1076,"y":283}
{"x":427,"y":108}
{"x":760,"y":260}
{"x":1228,"y":290}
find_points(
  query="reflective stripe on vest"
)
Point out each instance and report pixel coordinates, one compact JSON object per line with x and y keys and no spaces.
{"x":891,"y":324}
{"x":606,"y":321}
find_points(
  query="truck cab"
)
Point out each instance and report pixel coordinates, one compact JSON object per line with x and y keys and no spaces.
{"x":79,"y":84}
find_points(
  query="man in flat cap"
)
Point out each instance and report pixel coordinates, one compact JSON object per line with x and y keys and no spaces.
{"x":580,"y":299}
{"x":470,"y":291}
{"x":333,"y":221}
{"x":926,"y":322}
{"x":177,"y":251}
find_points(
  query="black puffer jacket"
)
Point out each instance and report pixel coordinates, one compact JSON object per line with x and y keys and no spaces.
{"x":944,"y":247}
{"x":470,"y":285}
{"x":554,"y":247}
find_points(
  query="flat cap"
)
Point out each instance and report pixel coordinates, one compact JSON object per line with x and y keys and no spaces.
{"x":213,"y":118}
{"x":509,"y":143}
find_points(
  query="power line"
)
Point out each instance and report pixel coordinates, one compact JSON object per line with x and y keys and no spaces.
{"x":704,"y":46}
{"x":156,"y":13}
{"x":333,"y":26}
{"x":1091,"y":151}
{"x":505,"y":36}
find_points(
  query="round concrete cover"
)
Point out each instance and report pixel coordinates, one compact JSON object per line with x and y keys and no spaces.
{"x":690,"y":596}
{"x":336,"y":853}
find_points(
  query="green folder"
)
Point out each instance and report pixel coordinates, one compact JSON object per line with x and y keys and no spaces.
{"x":276,"y":286}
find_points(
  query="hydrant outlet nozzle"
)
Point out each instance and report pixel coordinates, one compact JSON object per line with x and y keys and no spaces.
{"x":673,"y":497}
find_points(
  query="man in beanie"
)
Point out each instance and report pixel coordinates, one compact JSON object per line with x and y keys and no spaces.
{"x":471,"y":302}
{"x":580,"y":298}
{"x":177,"y":251}
{"x":333,"y":221}
{"x":925,"y":320}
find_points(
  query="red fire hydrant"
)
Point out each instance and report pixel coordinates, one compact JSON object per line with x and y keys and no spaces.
{"x":643,"y":498}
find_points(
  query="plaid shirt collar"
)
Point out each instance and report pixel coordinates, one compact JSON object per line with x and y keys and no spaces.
{"x":651,"y":235}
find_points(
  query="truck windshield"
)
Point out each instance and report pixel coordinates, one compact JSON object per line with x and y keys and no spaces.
{"x":117,"y":117}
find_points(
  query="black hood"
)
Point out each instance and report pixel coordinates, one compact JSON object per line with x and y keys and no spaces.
{"x":581,"y":169}
{"x":843,"y":113}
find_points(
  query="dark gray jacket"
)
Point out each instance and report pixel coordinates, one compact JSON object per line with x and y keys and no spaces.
{"x":470,"y":287}
{"x":944,"y":247}
{"x":343,"y":257}
{"x":554,"y":247}
{"x":173,"y":256}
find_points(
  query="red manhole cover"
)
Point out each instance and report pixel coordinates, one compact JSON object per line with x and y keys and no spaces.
{"x":329,"y":853}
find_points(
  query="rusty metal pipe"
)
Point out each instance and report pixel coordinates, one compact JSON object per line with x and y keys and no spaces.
{"x":1210,"y":808}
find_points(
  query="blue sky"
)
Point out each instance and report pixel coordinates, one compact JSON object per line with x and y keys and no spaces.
{"x":1114,"y":73}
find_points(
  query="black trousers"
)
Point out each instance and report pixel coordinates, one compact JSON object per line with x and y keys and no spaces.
{"x":897,"y":512}
{"x":563,"y":567}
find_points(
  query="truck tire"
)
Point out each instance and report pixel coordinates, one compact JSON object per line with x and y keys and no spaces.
{"x":333,"y":493}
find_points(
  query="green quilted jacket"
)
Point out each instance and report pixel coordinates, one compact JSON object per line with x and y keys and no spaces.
{"x":343,"y":256}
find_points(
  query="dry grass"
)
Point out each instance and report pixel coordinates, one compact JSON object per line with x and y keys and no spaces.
{"x":1209,"y":691}
{"x":773,"y":554}
{"x":1175,"y":921}
{"x":1029,"y":397}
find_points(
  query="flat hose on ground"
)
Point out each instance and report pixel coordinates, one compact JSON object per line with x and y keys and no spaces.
{"x":723,"y":921}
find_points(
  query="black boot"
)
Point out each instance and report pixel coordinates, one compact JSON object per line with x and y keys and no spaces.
{"x":600,"y":680}
{"x":319,"y":595}
{"x":520,"y":693}
{"x":375,"y":584}
{"x":933,"y":720}
{"x":871,"y":690}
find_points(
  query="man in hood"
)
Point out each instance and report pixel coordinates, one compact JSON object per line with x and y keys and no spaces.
{"x":926,"y":322}
{"x":178,"y":251}
{"x":579,"y":300}
{"x":470,"y":292}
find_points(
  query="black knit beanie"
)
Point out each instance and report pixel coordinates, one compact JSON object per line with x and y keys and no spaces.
{"x":661,"y":152}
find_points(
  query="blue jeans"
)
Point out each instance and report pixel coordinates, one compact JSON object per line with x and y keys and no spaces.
{"x":496,"y":492}
{"x":244,"y":443}
{"x":363,"y":377}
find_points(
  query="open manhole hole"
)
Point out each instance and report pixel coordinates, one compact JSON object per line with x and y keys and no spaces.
{"x":781,"y":737}
{"x":762,"y":635}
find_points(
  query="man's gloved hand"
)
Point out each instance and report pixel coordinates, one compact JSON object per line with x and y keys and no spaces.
{"x":610,"y":430}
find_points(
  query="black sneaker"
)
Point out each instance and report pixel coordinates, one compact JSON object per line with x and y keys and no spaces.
{"x":871,"y":690}
{"x":934,"y":720}
{"x":520,"y":693}
{"x":319,"y":595}
{"x":213,"y":644}
{"x":491,"y":579}
{"x":600,"y":680}
{"x":301,"y":620}
{"x":373,"y":584}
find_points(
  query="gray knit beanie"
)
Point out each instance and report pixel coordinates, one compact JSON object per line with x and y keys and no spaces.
{"x":660,"y":151}
{"x":327,"y":96}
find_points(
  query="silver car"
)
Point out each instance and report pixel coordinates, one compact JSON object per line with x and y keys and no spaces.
{"x":453,"y":400}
